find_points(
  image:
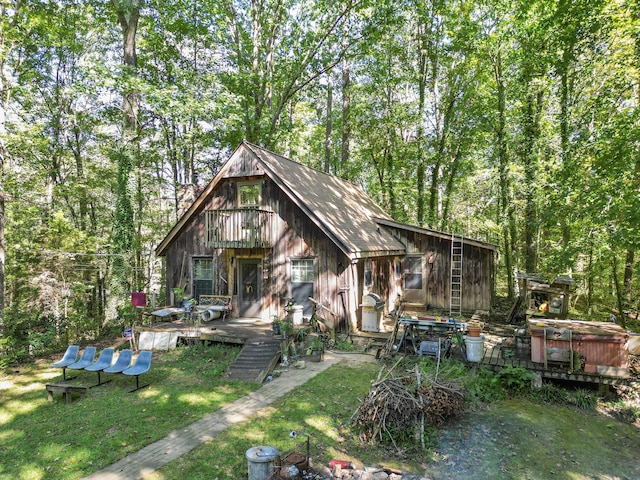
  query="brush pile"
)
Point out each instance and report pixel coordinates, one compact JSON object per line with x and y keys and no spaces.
{"x":397,"y":406}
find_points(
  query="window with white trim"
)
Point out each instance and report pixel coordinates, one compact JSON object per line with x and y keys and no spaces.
{"x":302,"y":281}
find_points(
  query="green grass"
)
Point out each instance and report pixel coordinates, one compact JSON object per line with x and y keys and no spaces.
{"x":513,"y":438}
{"x":41,"y":439}
{"x":527,"y":437}
{"x":321,"y":408}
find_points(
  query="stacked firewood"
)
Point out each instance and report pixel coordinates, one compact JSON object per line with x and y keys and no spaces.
{"x":441,"y":401}
{"x":397,"y":405}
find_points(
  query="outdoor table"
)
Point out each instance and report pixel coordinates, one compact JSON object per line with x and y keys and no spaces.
{"x":415,"y":327}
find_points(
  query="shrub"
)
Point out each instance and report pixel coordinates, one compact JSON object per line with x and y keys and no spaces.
{"x":484,"y":387}
{"x":583,"y":399}
{"x":515,"y":380}
{"x":550,"y":394}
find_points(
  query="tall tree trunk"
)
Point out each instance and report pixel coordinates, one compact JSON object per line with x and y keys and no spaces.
{"x":346,"y":117}
{"x":565,"y":152}
{"x":504,"y":209}
{"x":622,"y":315}
{"x":5,"y":47}
{"x":329,"y":124}
{"x":421,"y":170}
{"x":531,"y":128}
{"x":628,"y":274}
{"x":590,"y":274}
{"x":128,"y":12}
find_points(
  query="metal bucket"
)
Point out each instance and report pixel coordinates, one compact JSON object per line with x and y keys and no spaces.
{"x":261,"y":462}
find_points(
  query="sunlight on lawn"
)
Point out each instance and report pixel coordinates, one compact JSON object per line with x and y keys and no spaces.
{"x":49,"y":375}
{"x":200,"y":398}
{"x":16,"y":407}
{"x":30,"y":472}
{"x":323,"y":424}
{"x":13,"y":435}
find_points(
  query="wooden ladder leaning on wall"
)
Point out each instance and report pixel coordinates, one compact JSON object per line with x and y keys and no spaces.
{"x":455,"y":279}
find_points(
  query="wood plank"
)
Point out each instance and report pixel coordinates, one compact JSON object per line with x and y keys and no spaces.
{"x":256,"y":360}
{"x":213,"y":337}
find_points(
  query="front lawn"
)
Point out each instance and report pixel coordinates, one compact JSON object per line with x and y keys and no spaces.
{"x":41,"y":439}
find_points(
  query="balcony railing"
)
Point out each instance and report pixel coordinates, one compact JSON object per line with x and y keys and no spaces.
{"x":239,"y":228}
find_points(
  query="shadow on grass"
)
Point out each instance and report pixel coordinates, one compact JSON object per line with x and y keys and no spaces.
{"x":41,"y":439}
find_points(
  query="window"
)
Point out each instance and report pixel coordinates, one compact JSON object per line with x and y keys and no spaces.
{"x":368,"y":273}
{"x":413,"y":273}
{"x":249,"y":195}
{"x":202,"y":277}
{"x":302,"y":270}
{"x":302,"y":279}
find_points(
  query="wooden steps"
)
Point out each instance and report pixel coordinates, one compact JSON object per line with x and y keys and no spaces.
{"x":258,"y":357}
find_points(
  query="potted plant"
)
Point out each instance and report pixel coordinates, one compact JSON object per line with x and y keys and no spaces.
{"x":276,"y":325}
{"x":315,"y":350}
{"x":178,"y":294}
{"x":286,"y":327}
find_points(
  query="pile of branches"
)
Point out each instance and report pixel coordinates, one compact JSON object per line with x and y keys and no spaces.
{"x":397,"y":405}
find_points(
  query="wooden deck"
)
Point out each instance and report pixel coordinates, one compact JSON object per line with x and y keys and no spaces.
{"x":259,"y":355}
{"x":496,"y":358}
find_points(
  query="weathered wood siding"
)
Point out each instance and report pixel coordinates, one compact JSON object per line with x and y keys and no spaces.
{"x":294,"y":236}
{"x":297,"y":237}
{"x":477,"y":275}
{"x":338,"y":281}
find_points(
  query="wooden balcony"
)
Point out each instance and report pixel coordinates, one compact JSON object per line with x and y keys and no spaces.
{"x":239,"y":228}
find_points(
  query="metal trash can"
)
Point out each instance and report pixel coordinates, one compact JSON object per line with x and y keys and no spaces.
{"x":261,"y":462}
{"x":372,"y":309}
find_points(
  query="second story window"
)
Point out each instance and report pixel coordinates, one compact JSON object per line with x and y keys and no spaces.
{"x":249,"y":195}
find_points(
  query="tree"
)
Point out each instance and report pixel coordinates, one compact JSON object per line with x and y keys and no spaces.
{"x":126,"y":156}
{"x":277,"y":50}
{"x":8,"y":16}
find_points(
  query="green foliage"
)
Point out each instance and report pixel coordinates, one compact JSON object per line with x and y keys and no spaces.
{"x":485,"y":387}
{"x":583,"y":399}
{"x":511,"y":122}
{"x":550,"y":394}
{"x":344,"y":345}
{"x":515,"y":380}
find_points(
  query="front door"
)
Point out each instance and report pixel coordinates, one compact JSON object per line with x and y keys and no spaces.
{"x":249,"y":287}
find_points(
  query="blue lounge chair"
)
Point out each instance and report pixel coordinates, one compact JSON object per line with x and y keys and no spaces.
{"x":122,"y":363}
{"x":104,"y":361}
{"x":142,"y":365}
{"x":87,"y":358}
{"x":70,"y":357}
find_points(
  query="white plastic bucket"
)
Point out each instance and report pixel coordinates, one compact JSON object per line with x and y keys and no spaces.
{"x":261,"y":462}
{"x":475,"y":348}
{"x":297,"y":314}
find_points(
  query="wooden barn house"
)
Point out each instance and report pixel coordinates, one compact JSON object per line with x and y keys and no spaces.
{"x":267,"y":229}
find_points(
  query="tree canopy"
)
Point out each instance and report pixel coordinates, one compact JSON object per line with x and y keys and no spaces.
{"x":510,"y":121}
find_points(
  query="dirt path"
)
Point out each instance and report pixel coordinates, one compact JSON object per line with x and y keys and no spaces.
{"x":522,"y":440}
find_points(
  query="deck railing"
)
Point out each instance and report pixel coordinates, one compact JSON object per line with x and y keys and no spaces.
{"x":239,"y":228}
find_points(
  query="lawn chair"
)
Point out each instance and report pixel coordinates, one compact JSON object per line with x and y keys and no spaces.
{"x":70,"y":357}
{"x":142,"y":365}
{"x":122,"y":363}
{"x":104,"y":361}
{"x":87,"y":358}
